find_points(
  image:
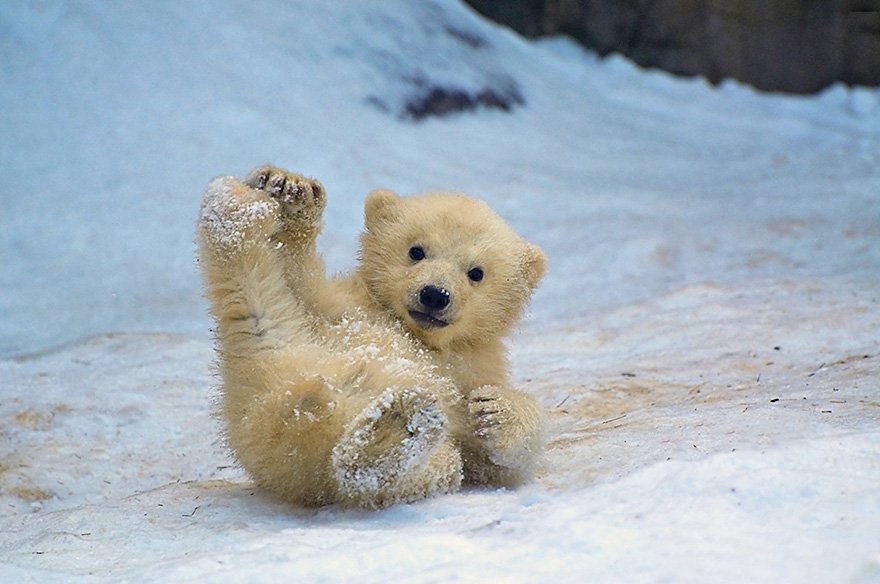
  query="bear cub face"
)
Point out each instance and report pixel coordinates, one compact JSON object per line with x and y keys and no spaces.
{"x":447,"y":266}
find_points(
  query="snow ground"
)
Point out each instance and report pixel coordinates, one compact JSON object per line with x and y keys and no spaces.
{"x":706,"y":340}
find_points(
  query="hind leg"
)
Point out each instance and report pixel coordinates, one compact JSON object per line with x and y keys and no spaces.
{"x":320,"y":439}
{"x":285,"y":436}
{"x":396,"y":450}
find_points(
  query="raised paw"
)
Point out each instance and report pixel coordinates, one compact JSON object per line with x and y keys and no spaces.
{"x":489,"y":411}
{"x":394,"y":437}
{"x":507,"y":425}
{"x":234,"y":217}
{"x":302,"y":199}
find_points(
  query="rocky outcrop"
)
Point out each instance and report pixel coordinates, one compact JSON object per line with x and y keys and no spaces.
{"x":798,"y":46}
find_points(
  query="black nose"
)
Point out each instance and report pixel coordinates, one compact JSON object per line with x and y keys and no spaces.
{"x":434,"y":298}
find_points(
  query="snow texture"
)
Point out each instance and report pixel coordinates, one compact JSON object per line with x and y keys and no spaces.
{"x":706,"y":340}
{"x":226,"y":220}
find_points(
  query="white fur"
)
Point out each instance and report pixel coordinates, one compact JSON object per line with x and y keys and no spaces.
{"x":332,"y":393}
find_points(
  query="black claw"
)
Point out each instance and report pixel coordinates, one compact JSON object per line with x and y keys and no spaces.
{"x":482,"y":399}
{"x":278,"y":189}
{"x":299,"y":194}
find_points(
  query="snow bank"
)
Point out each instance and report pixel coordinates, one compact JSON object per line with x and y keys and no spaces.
{"x":695,"y":452}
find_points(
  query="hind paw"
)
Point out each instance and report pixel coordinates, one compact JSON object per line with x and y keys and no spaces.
{"x":387,"y":445}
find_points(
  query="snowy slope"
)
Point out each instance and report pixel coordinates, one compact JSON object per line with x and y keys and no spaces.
{"x":706,"y":340}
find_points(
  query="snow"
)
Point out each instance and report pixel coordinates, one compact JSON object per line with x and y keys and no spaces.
{"x":706,"y":339}
{"x":226,"y":223}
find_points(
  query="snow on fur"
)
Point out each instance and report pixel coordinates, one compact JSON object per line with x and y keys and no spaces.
{"x":227,"y":220}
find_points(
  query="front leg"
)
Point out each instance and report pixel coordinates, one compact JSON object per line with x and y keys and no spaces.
{"x":235,"y":221}
{"x":246,"y":265}
{"x":508,"y":434}
{"x":301,"y":203}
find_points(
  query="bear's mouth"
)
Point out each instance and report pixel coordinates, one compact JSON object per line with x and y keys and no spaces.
{"x":425,"y":320}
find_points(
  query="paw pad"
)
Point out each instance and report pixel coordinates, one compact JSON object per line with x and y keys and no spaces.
{"x":394,"y":435}
{"x":301,"y":198}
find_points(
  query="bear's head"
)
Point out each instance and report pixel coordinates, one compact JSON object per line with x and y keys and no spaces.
{"x":447,"y":266}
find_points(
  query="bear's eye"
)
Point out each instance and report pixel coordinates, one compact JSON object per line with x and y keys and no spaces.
{"x":416,"y":253}
{"x":476,"y":274}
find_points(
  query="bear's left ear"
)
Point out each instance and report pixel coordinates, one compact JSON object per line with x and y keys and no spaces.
{"x":379,"y":206}
{"x":534,"y":264}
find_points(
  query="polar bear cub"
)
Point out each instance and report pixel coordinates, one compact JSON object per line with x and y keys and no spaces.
{"x":387,"y":385}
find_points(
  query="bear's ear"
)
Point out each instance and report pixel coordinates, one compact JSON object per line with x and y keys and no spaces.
{"x":379,"y":206}
{"x":534,"y":264}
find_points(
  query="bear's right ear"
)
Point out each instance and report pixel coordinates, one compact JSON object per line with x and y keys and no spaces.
{"x":535,"y":264}
{"x":380,"y":206}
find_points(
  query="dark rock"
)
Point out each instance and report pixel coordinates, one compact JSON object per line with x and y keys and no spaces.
{"x":523,"y":16}
{"x":445,"y":67}
{"x":442,"y":101}
{"x":798,"y":46}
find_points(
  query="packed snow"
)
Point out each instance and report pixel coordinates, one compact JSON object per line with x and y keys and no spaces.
{"x":706,"y":342}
